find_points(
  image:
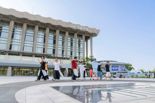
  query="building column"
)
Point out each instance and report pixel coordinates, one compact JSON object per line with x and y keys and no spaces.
{"x":9,"y":71}
{"x":35,"y":38}
{"x":46,"y":40}
{"x":83,"y":38}
{"x":23,"y":36}
{"x":91,"y":47}
{"x":11,"y":26}
{"x":75,"y":45}
{"x":66,"y":44}
{"x":86,"y":47}
{"x":56,"y":45}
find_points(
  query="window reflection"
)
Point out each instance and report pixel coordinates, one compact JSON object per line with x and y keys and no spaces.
{"x":79,"y":47}
{"x":28,"y":42}
{"x":51,"y":43}
{"x":40,"y":41}
{"x":70,"y":45}
{"x":61,"y":42}
{"x":86,"y":94}
{"x":16,"y":37}
{"x":4,"y":31}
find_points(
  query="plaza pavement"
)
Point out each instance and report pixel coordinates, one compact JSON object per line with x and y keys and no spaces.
{"x":27,"y":90}
{"x":16,"y":79}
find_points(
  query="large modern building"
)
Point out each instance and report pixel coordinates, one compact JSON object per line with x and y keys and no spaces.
{"x":25,"y":37}
{"x":117,"y":69}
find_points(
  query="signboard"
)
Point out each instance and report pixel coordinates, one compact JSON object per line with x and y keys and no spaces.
{"x":118,"y":68}
{"x":114,"y":68}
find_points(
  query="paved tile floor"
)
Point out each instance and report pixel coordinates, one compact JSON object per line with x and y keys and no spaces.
{"x":27,"y":90}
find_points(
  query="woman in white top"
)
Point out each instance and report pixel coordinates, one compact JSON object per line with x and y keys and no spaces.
{"x":82,"y":69}
{"x":56,"y":74}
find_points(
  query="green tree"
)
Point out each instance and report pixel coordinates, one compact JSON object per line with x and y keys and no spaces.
{"x":142,"y":70}
{"x":153,"y":70}
{"x":129,"y":67}
{"x":87,"y":62}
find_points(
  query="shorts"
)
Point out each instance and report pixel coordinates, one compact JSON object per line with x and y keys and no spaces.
{"x":108,"y":74}
{"x":99,"y":74}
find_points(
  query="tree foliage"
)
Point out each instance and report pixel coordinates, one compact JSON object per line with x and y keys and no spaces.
{"x":142,"y":70}
{"x":153,"y":70}
{"x":87,"y":62}
{"x":129,"y":67}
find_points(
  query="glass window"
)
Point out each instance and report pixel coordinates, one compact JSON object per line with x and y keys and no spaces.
{"x":15,"y":47}
{"x":4,"y":31}
{"x":3,"y":46}
{"x":28,"y":48}
{"x":51,"y":43}
{"x":50,"y":50}
{"x":28,"y":42}
{"x":16,"y":37}
{"x":69,"y":46}
{"x":28,"y":38}
{"x":61,"y":39}
{"x":40,"y":41}
{"x":39,"y":50}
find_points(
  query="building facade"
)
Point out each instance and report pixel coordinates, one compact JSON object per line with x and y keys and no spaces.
{"x":25,"y":37}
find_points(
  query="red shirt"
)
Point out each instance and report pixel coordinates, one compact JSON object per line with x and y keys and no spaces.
{"x":74,"y":64}
{"x":91,"y":72}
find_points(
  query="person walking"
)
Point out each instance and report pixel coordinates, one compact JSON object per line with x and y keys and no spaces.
{"x":81,"y":69}
{"x":107,"y":67}
{"x":91,"y":73}
{"x":42,"y":73}
{"x":99,"y":72}
{"x":95,"y":65}
{"x":84,"y":71}
{"x":56,"y":72}
{"x":46,"y":69}
{"x":74,"y":65}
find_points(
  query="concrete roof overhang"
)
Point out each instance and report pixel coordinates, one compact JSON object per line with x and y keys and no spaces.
{"x":48,"y":20}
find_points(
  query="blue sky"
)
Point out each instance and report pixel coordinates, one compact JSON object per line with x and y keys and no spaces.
{"x":127,"y":27}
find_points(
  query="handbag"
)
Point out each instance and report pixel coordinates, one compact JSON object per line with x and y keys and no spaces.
{"x":44,"y":72}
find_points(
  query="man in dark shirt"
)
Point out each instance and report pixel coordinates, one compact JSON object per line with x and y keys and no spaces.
{"x":107,"y":67}
{"x":99,"y":72}
{"x":42,"y":72}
